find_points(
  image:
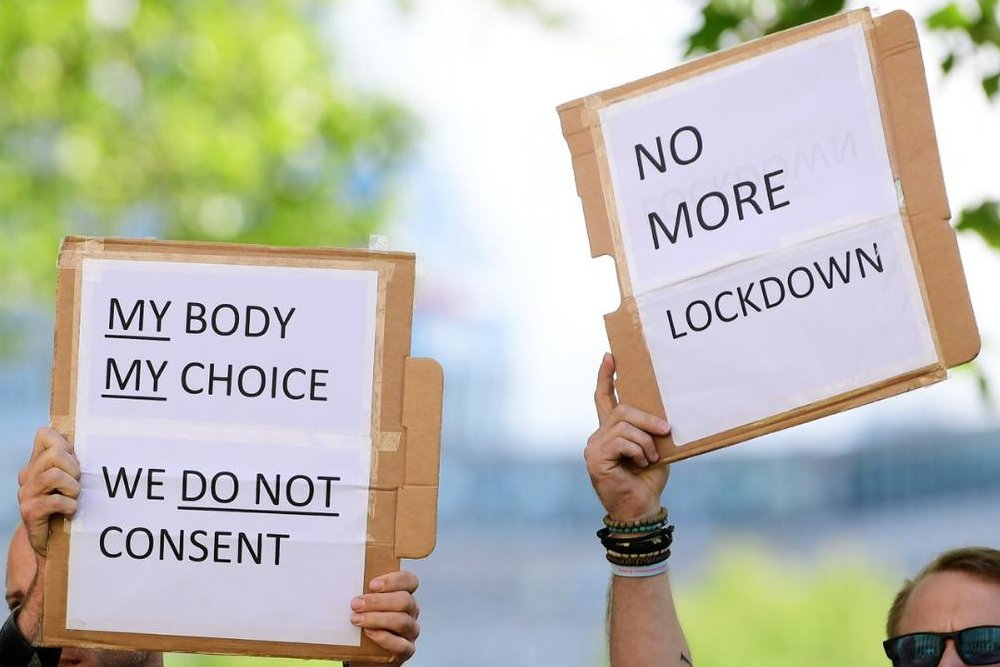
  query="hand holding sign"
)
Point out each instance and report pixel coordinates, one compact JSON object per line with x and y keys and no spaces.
{"x":389,"y":614}
{"x":621,"y":455}
{"x":50,"y":483}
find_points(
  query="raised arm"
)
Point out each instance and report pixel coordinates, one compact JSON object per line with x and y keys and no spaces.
{"x":622,"y":461}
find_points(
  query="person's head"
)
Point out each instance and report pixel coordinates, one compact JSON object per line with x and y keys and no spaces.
{"x":20,"y":573}
{"x":959,"y":589}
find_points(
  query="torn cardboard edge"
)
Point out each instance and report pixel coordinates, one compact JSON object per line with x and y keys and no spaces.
{"x":904,"y":104}
{"x":406,"y":430}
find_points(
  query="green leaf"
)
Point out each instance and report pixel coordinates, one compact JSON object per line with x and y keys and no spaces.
{"x":797,"y":12}
{"x":984,"y":220}
{"x":949,"y":62}
{"x":975,"y":369}
{"x":949,"y":17}
{"x":991,"y":84}
{"x":716,"y":21}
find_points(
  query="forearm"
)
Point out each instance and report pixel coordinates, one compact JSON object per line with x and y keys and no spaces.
{"x":29,"y":617}
{"x":643,"y":626}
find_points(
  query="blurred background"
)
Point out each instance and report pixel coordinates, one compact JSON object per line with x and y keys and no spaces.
{"x":318,"y":122}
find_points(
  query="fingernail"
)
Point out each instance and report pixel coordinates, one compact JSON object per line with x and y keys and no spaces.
{"x":654,"y":457}
{"x":663,"y":424}
{"x":607,"y":356}
{"x":358,"y":603}
{"x":377,"y":584}
{"x":357,"y":618}
{"x":644,"y":463}
{"x":369,"y":632}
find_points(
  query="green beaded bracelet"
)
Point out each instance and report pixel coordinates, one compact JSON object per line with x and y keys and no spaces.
{"x":640,"y":526}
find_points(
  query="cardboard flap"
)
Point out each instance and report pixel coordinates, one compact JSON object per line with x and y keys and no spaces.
{"x":581,"y":134}
{"x":914,"y":144}
{"x":416,"y":500}
{"x":636,"y":382}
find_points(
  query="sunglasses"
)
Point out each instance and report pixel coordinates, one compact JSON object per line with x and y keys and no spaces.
{"x":976,"y":646}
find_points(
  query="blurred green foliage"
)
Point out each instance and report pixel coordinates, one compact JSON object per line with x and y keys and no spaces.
{"x":973,"y":35}
{"x":973,"y":38}
{"x":729,"y":22}
{"x":193,"y":119}
{"x":757,"y":611}
{"x":983,"y":219}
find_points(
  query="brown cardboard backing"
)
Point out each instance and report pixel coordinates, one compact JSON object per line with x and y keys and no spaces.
{"x":906,"y":115}
{"x":406,"y":427}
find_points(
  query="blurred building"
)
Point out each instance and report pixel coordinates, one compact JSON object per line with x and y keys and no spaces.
{"x":887,"y":471}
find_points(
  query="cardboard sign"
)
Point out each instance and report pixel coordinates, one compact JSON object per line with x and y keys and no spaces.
{"x":779,"y":225}
{"x":240,"y":418}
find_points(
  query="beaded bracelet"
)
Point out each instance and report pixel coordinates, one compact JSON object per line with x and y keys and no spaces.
{"x":647,"y":559}
{"x":639,"y":560}
{"x":640,"y":526}
{"x":625,"y":555}
{"x":637,"y":548}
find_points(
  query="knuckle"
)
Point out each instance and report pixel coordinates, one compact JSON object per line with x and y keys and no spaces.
{"x":43,"y":434}
{"x":59,"y":457}
{"x":27,"y":509}
{"x":50,"y":476}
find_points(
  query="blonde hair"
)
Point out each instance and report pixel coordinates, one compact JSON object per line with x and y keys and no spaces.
{"x":980,"y":562}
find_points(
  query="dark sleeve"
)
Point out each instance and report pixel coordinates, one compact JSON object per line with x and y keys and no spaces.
{"x":16,"y":651}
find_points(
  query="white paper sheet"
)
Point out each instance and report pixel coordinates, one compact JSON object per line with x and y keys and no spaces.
{"x":809,"y":110}
{"x":249,"y":506}
{"x":770,"y":164}
{"x":809,"y":341}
